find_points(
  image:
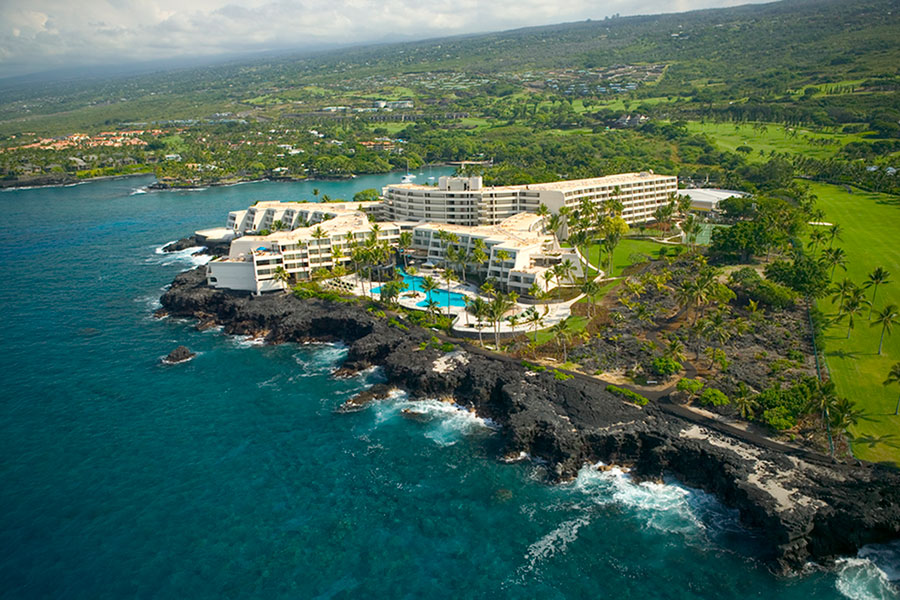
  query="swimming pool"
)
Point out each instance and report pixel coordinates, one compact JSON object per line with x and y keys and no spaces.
{"x":414,"y":283}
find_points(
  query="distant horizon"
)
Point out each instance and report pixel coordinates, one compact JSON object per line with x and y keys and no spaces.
{"x":44,"y":38}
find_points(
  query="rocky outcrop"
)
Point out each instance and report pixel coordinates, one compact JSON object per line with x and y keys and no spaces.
{"x":179,"y":355}
{"x":808,"y":507}
{"x":206,"y":246}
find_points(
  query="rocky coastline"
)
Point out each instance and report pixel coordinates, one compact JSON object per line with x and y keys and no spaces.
{"x":809,"y":507}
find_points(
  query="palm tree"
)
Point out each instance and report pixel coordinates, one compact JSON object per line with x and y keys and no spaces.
{"x":590,"y":289}
{"x":566,"y":268}
{"x":502,"y":256}
{"x":834,"y":258}
{"x":834,"y":233}
{"x":842,"y":291}
{"x":853,"y":305}
{"x":877,"y":277}
{"x":316,"y":192}
{"x":479,"y":308}
{"x":892,"y":378}
{"x":513,"y":321}
{"x":887,"y":317}
{"x":815,"y":238}
{"x":281,"y":276}
{"x":405,"y":243}
{"x":823,"y":401}
{"x":432,"y":306}
{"x":743,"y":401}
{"x":534,"y":319}
{"x":675,"y":351}
{"x":497,"y":310}
{"x":561,"y":334}
{"x":429,"y":285}
{"x":844,"y":414}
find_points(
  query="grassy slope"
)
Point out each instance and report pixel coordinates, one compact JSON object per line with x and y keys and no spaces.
{"x":729,"y":136}
{"x":871,"y":225}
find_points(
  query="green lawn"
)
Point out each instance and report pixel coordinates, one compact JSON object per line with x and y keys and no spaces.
{"x":576,"y":325}
{"x":625,"y":253}
{"x":729,"y":136}
{"x":871,"y":239}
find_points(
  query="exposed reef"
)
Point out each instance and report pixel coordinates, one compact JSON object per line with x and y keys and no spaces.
{"x":809,"y":507}
{"x":179,"y":355}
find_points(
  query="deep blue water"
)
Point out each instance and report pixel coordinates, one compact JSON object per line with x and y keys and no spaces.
{"x":230,"y":475}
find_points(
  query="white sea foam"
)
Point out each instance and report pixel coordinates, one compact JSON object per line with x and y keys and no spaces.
{"x":322,"y":361}
{"x":874,"y":574}
{"x":137,"y":191}
{"x":247,"y":341}
{"x":553,"y":543}
{"x":445,"y":423}
{"x":667,"y":507}
{"x":188,"y":256}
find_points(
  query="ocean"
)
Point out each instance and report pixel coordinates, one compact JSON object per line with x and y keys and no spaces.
{"x":232,"y":476}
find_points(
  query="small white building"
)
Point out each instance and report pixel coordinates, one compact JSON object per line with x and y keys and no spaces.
{"x":707,"y":200}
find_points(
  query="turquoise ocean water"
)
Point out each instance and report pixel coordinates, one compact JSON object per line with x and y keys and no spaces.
{"x":231,"y":477}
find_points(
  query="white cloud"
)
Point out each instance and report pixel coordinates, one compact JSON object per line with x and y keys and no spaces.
{"x":41,"y":34}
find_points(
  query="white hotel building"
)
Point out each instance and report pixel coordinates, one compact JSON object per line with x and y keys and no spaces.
{"x":465,"y":201}
{"x":530,"y":251}
{"x":253,"y":259}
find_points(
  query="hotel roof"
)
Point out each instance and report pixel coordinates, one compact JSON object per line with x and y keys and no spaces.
{"x":620,"y":179}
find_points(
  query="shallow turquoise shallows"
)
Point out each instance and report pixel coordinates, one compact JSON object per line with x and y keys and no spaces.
{"x":414,"y":283}
{"x":231,"y":476}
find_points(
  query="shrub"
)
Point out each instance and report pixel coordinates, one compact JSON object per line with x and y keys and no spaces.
{"x":779,"y":418}
{"x":795,"y":355}
{"x":665,"y":366}
{"x":560,"y":376}
{"x":714,"y":397}
{"x":533,"y":367}
{"x":628,"y":395}
{"x":393,"y":322}
{"x":691,"y":386}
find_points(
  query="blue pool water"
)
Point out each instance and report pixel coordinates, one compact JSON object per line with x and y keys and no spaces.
{"x":231,"y":476}
{"x":442,"y":297}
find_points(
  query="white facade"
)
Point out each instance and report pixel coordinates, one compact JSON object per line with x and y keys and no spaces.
{"x":518,"y":249}
{"x":252,"y":259}
{"x":465,"y":201}
{"x":263,"y":215}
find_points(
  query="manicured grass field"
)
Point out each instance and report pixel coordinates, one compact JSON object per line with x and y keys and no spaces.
{"x":871,"y":239}
{"x":729,"y":136}
{"x":622,"y":257}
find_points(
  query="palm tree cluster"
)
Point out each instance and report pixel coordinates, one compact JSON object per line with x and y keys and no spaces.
{"x":852,"y":301}
{"x":591,"y":224}
{"x":493,"y":310}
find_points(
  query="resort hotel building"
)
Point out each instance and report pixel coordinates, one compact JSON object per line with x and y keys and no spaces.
{"x":302,"y":237}
{"x":253,"y":259}
{"x":465,"y":201}
{"x":519,"y":251}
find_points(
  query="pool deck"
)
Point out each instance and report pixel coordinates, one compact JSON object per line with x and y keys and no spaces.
{"x":464,"y":321}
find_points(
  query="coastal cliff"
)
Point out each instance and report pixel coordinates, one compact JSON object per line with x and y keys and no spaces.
{"x":808,"y":507}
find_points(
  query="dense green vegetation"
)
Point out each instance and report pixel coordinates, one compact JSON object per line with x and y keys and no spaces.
{"x":715,"y":104}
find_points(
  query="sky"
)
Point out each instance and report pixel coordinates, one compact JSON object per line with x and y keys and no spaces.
{"x":40,"y":35}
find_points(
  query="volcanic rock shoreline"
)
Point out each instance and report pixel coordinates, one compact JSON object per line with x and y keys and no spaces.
{"x":809,"y":508}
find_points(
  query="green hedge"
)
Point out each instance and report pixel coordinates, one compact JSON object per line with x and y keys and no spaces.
{"x":628,"y":395}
